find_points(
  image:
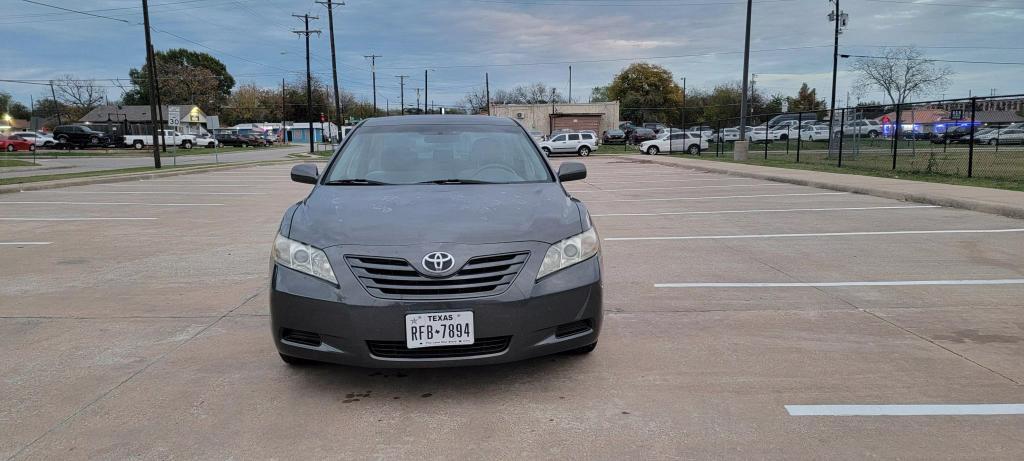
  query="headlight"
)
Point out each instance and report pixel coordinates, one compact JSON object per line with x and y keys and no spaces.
{"x":572,"y":250}
{"x":303,"y":258}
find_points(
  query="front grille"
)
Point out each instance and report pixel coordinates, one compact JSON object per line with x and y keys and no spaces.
{"x":301,"y":337}
{"x":395,"y":278}
{"x":397,"y":349}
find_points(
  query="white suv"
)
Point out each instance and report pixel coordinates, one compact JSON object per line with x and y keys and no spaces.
{"x":581,"y":144}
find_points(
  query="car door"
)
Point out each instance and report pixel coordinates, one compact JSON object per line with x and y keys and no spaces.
{"x":557,"y":143}
{"x":572,"y":142}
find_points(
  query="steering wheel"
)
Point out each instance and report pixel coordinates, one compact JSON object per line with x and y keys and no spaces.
{"x":496,"y":166}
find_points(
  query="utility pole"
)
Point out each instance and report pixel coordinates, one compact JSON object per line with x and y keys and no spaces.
{"x":151,"y":63}
{"x":418,"y":98}
{"x":373,"y":74}
{"x":401,"y":85}
{"x":334,"y":59}
{"x":54,"y":94}
{"x":746,"y":72}
{"x":426,"y":87}
{"x":284,"y":113}
{"x":839,"y":18}
{"x":487,"y":92}
{"x":159,"y":107}
{"x":570,"y":84}
{"x":309,"y":75}
{"x":753,"y":91}
{"x":682,"y":115}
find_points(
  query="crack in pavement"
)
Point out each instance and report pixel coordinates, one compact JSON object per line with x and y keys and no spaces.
{"x":133,"y":375}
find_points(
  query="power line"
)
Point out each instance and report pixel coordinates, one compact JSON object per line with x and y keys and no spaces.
{"x":957,"y":5}
{"x":1009,"y":63}
{"x":75,"y":11}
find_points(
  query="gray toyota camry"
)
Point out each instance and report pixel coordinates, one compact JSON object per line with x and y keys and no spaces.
{"x":435,"y":241}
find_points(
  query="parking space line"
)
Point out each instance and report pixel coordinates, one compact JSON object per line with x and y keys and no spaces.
{"x":140,"y":192}
{"x":717,"y":197}
{"x":779,"y":210}
{"x":889,"y":283}
{"x":77,"y":219}
{"x":689,"y":187}
{"x":822,"y":234}
{"x":25,"y":243}
{"x":108,"y":203}
{"x":983,"y":409}
{"x":178,"y":185}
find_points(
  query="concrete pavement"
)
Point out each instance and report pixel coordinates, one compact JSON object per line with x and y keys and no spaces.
{"x":136,"y":326}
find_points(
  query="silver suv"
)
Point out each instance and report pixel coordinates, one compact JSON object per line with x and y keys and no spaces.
{"x":579,"y":143}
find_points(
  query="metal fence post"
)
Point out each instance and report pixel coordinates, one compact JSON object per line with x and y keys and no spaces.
{"x":799,"y":134}
{"x":895,"y":134}
{"x":721,"y":139}
{"x":842,"y":124}
{"x":766,"y":137}
{"x":970,"y":148}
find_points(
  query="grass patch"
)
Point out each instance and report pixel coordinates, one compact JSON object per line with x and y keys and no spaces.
{"x":11,"y":162}
{"x":148,"y":152}
{"x":907,"y":168}
{"x":86,"y":174}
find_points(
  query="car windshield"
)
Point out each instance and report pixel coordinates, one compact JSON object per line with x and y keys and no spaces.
{"x":413,"y":154}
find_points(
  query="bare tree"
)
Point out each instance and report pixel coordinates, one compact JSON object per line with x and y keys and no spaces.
{"x":80,"y":96}
{"x":901,"y":73}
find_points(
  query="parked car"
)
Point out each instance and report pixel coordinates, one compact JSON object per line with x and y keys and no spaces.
{"x":655,"y":126}
{"x":13,"y":143}
{"x":80,"y":136}
{"x":727,"y":134}
{"x":814,"y":133}
{"x":869,"y":128}
{"x":955,"y":135}
{"x":613,"y":137}
{"x":206,"y":140}
{"x":642,"y":134}
{"x":778,"y":119}
{"x":238,"y":140}
{"x":581,"y":144}
{"x":39,"y":139}
{"x":675,"y":142}
{"x":702,"y":131}
{"x":1003,"y":136}
{"x":168,"y":137}
{"x":912,"y":135}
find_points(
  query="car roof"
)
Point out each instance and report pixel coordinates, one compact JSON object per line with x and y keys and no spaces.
{"x":439,"y":120}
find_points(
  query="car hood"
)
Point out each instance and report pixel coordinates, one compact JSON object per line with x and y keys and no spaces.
{"x":416,"y":214}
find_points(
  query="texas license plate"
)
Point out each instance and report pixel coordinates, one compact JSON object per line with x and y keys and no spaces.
{"x":438,"y":329}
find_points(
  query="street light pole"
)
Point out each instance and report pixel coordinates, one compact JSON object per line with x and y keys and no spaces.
{"x":373,"y":74}
{"x":151,"y":64}
{"x":401,"y":84}
{"x":334,"y":59}
{"x":426,"y":87}
{"x":746,"y":72}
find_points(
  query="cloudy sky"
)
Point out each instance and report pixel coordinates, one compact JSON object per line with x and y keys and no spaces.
{"x":516,"y":41}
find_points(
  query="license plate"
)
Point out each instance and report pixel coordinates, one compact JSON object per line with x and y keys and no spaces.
{"x":438,"y":329}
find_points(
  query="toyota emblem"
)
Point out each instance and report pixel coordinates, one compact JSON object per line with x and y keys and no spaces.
{"x":438,"y":262}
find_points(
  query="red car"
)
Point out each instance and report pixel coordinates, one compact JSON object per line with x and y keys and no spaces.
{"x":11,"y":144}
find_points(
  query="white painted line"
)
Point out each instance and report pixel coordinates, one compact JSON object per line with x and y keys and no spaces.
{"x":689,"y":187}
{"x":175,"y":185}
{"x":77,"y":219}
{"x":110,"y":203}
{"x":144,"y":192}
{"x":822,"y":234}
{"x":898,"y":283}
{"x":682,"y":180}
{"x":982,"y":409}
{"x":716,"y":197}
{"x":780,"y":210}
{"x":599,"y":183}
{"x":25,"y":243}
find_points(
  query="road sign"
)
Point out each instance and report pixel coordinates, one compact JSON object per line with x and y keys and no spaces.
{"x":956,"y":114}
{"x":785,"y":105}
{"x":886,"y":120}
{"x":173,"y":116}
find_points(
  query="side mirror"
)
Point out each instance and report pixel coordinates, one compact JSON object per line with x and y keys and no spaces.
{"x":305,"y":173}
{"x":572,"y":171}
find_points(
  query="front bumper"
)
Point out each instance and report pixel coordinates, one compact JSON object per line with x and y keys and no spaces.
{"x":344,"y":320}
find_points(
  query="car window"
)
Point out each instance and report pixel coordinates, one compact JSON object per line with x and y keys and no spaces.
{"x":588,"y":136}
{"x":574,"y":137}
{"x":560,"y":137}
{"x":409,"y":154}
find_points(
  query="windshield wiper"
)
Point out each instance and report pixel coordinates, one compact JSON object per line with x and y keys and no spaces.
{"x":455,"y":181}
{"x":355,"y":182}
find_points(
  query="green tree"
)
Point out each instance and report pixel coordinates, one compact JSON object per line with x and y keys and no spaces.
{"x":647,"y":93}
{"x":186,"y":77}
{"x":19,"y":111}
{"x":599,"y":94}
{"x":806,"y":100}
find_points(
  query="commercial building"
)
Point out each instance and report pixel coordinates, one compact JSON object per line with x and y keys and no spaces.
{"x":547,"y":118}
{"x":116,"y":119}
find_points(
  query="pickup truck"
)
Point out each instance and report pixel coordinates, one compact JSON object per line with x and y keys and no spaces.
{"x":171,"y":138}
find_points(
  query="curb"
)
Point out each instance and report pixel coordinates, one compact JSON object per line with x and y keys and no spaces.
{"x":85,"y":181}
{"x":928,"y":199}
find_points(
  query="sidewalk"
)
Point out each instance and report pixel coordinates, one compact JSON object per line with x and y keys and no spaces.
{"x":985,"y":200}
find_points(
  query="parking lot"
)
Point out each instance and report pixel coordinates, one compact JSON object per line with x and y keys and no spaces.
{"x":134,"y":321}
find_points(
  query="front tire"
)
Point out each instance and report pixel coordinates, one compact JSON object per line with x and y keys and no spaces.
{"x":138,"y":145}
{"x":10,"y":148}
{"x":31,"y":147}
{"x":653,"y":150}
{"x":693,"y":149}
{"x":187,"y":144}
{"x":992,"y":142}
{"x":547,"y":152}
{"x":584,"y":151}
